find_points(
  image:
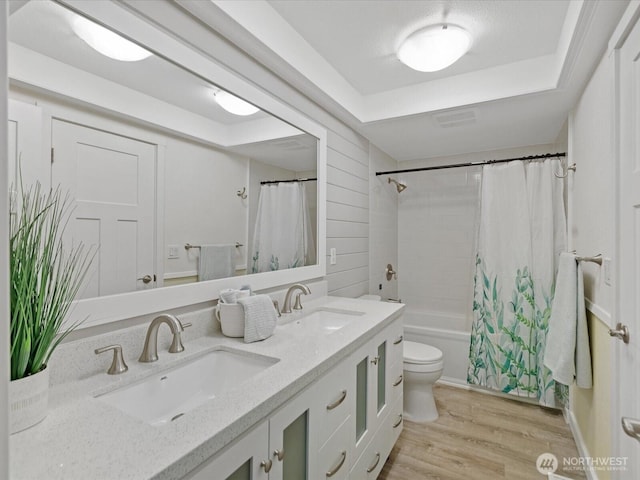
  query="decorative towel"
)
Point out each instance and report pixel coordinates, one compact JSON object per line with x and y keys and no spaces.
{"x":259,"y":317}
{"x":216,"y":261}
{"x":229,"y":295}
{"x":567,"y":354}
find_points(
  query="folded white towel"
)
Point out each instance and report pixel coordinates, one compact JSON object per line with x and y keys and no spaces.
{"x":216,"y":261}
{"x":260,"y":317}
{"x":229,"y":295}
{"x":567,"y":353}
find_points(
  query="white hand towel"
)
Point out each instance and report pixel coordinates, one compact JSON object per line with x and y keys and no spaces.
{"x":567,"y":353}
{"x":229,"y":295}
{"x":260,"y":317}
{"x":216,"y":261}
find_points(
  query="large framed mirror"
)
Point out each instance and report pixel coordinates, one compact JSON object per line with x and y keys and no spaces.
{"x":185,"y":178}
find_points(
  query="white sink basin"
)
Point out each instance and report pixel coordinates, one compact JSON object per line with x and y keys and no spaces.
{"x":322,"y":320}
{"x":167,"y":395}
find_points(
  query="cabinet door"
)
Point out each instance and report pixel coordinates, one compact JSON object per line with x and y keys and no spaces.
{"x":292,"y":447}
{"x":242,"y":460}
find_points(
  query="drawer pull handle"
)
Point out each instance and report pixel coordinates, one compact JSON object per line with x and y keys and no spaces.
{"x":400,"y":338}
{"x":373,"y":467}
{"x":266,"y":465}
{"x":279,"y":454}
{"x":335,"y":404}
{"x":398,"y":381}
{"x":334,"y":470}
{"x":395,"y":425}
{"x":375,"y":360}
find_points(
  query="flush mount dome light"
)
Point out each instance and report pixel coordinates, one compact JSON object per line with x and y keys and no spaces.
{"x":434,"y":48}
{"x":107,"y":42}
{"x":233,"y":104}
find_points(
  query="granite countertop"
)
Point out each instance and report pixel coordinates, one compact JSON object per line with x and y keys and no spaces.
{"x":84,"y":438}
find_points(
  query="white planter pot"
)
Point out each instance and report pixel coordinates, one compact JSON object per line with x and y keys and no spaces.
{"x":28,"y":400}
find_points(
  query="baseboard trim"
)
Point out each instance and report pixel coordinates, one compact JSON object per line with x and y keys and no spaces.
{"x":453,"y":382}
{"x":583,"y":451}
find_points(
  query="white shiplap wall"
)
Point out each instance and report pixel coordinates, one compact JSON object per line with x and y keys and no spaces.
{"x":348,"y":214}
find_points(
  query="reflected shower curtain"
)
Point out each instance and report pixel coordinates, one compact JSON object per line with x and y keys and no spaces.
{"x":282,"y":237}
{"x":521,"y":234}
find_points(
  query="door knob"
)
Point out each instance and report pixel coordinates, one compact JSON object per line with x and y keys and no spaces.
{"x":146,"y":278}
{"x":621,"y":332}
{"x":631,"y":427}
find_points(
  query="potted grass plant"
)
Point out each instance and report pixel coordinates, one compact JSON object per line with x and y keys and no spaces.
{"x":44,"y":280}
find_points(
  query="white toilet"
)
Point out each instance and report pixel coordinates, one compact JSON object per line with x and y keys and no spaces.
{"x":423,"y":366}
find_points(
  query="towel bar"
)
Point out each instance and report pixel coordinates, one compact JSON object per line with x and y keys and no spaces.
{"x":597,"y":259}
{"x":188,"y":246}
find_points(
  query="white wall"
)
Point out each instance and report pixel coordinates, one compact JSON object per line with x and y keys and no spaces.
{"x":348,"y":215}
{"x":591,"y":143}
{"x":591,"y":146}
{"x":4,"y":255}
{"x":200,"y":202}
{"x":383,"y":224}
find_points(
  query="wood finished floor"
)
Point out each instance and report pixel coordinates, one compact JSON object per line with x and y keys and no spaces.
{"x":478,"y":437}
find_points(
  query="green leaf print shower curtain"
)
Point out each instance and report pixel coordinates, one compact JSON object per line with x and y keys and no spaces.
{"x":521,"y":234}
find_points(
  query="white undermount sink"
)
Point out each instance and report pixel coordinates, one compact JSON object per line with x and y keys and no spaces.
{"x":322,"y":320}
{"x":167,"y":395}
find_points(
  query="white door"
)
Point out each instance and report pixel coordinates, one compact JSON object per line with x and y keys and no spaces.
{"x":628,"y":299}
{"x":26,"y":155}
{"x":112,"y":181}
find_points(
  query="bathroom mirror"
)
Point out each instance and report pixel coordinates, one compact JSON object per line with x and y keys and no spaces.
{"x":176,"y":190}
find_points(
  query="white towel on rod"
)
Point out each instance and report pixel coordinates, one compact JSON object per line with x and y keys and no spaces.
{"x":567,"y":353}
{"x":260,"y":317}
{"x":216,"y":261}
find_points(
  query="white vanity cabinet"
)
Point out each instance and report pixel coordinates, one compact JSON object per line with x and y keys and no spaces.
{"x":280,"y":448}
{"x":342,"y":426}
{"x":242,"y":460}
{"x":378,"y":403}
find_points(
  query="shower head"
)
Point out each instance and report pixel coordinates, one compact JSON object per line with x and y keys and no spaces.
{"x":400,"y":186}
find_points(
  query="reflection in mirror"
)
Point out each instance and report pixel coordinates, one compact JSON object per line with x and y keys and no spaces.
{"x":154,"y":162}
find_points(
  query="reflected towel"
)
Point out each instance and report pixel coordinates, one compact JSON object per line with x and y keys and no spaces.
{"x":567,"y":353}
{"x":216,"y":261}
{"x":260,"y":317}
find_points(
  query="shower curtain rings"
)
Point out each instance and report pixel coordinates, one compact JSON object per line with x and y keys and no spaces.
{"x":565,"y":171}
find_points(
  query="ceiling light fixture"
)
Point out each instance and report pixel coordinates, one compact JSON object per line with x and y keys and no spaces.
{"x":434,"y":48}
{"x":107,"y":42}
{"x":233,"y":104}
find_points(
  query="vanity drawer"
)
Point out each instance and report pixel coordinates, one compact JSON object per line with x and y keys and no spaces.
{"x":396,"y":382}
{"x":334,"y":458}
{"x":370,"y":463}
{"x":394,"y":424}
{"x":335,"y":396}
{"x":396,"y":343}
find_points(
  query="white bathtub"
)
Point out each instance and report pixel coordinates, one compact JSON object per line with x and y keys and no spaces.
{"x":446,"y":332}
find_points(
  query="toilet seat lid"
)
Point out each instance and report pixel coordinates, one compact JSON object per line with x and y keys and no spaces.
{"x":421,"y":353}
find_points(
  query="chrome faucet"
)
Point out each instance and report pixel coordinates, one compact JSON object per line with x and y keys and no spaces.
{"x":150,"y":350}
{"x":286,"y":308}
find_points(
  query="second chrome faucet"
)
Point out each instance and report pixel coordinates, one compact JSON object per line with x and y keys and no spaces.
{"x":150,"y":350}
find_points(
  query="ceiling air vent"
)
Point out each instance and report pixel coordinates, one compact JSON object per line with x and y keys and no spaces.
{"x":456,"y":118}
{"x":290,"y":145}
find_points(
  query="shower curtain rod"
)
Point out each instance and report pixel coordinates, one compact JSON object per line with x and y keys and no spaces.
{"x":474,"y":164}
{"x":266,"y":182}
